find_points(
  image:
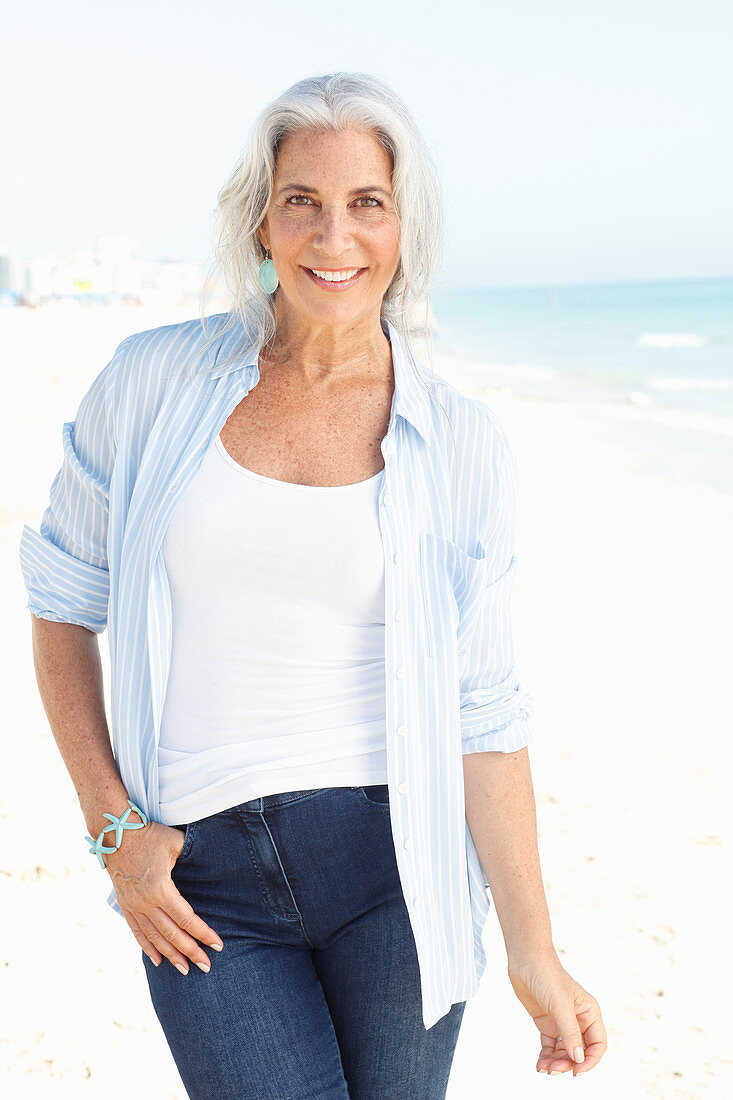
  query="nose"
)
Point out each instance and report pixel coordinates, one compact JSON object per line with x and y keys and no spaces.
{"x":333,"y":237}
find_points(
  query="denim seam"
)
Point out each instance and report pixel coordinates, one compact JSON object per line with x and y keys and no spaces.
{"x":335,"y":1042}
{"x":285,"y":878}
{"x":188,"y":840}
{"x":252,"y":855}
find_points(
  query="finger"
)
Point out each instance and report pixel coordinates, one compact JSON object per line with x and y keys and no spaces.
{"x":552,"y":1054}
{"x":161,"y":942}
{"x":572,"y":1037}
{"x":184,"y":915}
{"x":178,"y":923}
{"x":547,"y":1050}
{"x":554,"y":1063}
{"x":595,"y":1045}
{"x":153,"y":954}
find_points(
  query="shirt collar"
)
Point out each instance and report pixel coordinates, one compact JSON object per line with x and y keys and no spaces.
{"x":412,"y":394}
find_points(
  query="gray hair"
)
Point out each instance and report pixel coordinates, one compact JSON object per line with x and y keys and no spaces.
{"x":331,"y":102}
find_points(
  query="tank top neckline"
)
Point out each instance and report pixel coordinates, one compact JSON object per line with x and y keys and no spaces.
{"x":288,"y":484}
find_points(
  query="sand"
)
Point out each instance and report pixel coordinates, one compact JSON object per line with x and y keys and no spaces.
{"x":622,"y":611}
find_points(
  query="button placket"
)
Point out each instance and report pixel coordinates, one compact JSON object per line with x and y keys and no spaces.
{"x":401,"y":729}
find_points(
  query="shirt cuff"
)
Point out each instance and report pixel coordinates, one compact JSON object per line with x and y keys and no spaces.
{"x":61,"y":587}
{"x":497,"y":718}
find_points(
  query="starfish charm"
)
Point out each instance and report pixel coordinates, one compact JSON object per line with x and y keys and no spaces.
{"x":97,"y":847}
{"x":118,"y":824}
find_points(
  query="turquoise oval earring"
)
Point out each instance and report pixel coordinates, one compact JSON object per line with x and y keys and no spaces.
{"x":268,"y":276}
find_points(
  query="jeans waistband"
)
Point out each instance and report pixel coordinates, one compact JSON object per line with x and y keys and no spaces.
{"x":268,"y":801}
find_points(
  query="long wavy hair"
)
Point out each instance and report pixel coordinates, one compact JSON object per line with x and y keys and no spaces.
{"x":331,"y":102}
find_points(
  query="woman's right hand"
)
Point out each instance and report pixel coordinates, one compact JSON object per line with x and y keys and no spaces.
{"x":162,"y":921}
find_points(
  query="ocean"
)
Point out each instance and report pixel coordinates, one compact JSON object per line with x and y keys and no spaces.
{"x":652,"y":359}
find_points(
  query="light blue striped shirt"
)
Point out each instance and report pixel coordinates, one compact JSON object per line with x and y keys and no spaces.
{"x":447,"y":514}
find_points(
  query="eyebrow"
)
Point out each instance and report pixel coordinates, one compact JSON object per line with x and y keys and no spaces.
{"x":314,"y":190}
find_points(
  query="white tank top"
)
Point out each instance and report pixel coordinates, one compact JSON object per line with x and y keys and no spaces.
{"x":277,"y":667}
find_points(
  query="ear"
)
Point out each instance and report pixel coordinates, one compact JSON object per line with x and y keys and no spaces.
{"x":263,"y":237}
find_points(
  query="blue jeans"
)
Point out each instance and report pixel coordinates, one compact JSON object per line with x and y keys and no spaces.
{"x":317,"y":991}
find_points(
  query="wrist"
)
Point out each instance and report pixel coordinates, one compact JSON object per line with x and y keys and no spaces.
{"x":107,"y":839}
{"x":97,"y":805}
{"x":541,"y":955}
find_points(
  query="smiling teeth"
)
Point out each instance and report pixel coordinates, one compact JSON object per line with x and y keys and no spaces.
{"x":334,"y":276}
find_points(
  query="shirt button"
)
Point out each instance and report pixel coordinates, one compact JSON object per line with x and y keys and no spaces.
{"x":402,"y":788}
{"x":173,"y":486}
{"x":155,"y":598}
{"x":402,"y":730}
{"x":408,"y":842}
{"x":386,"y":499}
{"x":389,"y":447}
{"x":396,"y":556}
{"x":398,"y":616}
{"x":416,"y":899}
{"x":400,"y":673}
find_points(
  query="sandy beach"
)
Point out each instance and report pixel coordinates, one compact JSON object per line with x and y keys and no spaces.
{"x":622,"y":612}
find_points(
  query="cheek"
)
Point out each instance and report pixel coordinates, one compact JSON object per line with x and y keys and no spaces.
{"x":386,"y":249}
{"x":390,"y":235}
{"x":289,"y":235}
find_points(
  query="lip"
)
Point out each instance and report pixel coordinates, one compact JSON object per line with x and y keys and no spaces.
{"x":334,"y":287}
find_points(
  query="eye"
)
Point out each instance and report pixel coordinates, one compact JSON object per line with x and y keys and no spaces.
{"x":372,"y":200}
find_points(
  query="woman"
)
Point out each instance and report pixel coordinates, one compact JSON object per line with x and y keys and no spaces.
{"x":302,"y":542}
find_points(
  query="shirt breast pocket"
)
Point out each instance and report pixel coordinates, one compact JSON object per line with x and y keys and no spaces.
{"x":453,"y":591}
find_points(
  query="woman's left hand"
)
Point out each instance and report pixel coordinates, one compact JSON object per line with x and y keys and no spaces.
{"x":565,"y":1014}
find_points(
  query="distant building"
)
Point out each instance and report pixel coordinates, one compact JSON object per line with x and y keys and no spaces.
{"x":112,"y":270}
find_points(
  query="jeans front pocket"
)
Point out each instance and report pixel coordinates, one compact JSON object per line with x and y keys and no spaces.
{"x":189,"y":831}
{"x":376,"y":794}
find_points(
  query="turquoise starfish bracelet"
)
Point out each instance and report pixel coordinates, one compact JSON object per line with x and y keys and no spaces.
{"x":119,"y":824}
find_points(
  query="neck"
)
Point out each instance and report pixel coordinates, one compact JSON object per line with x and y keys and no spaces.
{"x":320,"y":351}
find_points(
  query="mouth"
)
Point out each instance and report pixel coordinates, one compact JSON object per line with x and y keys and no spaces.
{"x":336,"y":281}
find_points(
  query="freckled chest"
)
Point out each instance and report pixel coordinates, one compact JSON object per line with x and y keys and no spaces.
{"x":327,"y":435}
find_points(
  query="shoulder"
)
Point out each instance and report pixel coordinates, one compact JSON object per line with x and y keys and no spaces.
{"x":478,"y":433}
{"x":481,"y":463}
{"x":165,"y":350}
{"x":154,"y":365}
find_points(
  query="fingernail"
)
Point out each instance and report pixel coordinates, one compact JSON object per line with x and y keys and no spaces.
{"x":217,"y":946}
{"x":155,"y":963}
{"x":554,"y":1072}
{"x":579,"y":1054}
{"x":204,"y":966}
{"x":182,"y":968}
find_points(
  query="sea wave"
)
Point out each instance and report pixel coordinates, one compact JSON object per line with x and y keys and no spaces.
{"x":636,"y":409}
{"x":671,"y":340}
{"x":683,"y":384}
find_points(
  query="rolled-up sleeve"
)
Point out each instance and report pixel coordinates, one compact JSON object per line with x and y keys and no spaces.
{"x":495,"y":709}
{"x":64,"y":563}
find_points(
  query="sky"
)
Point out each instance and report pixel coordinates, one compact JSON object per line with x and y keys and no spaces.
{"x":575,"y":142}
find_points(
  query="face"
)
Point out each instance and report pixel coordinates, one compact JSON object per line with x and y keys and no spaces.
{"x":332,"y":212}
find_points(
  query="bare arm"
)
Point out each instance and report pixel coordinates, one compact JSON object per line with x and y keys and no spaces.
{"x":501,"y":815}
{"x":69,"y":676}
